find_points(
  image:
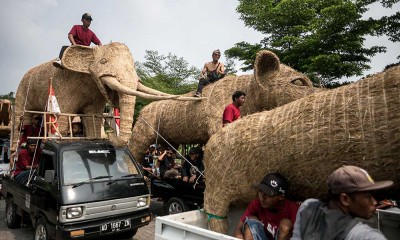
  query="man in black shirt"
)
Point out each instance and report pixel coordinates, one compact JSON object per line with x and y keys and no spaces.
{"x":191,"y":170}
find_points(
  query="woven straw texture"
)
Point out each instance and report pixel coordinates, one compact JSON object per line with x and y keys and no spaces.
{"x":5,"y":116}
{"x":273,"y":84}
{"x":306,"y":140}
{"x":79,"y":88}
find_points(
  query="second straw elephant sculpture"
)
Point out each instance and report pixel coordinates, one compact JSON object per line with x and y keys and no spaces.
{"x":273,"y":84}
{"x":306,"y":140}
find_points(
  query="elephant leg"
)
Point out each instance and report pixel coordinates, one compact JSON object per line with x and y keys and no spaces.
{"x":92,"y":125}
{"x":216,"y":203}
{"x":142,"y":137}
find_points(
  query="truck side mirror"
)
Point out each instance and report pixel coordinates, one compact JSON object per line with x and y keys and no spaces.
{"x":49,"y":176}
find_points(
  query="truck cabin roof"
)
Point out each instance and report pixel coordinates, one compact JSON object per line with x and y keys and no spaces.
{"x":59,"y":145}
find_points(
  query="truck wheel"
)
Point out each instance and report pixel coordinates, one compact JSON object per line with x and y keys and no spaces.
{"x":128,"y":234}
{"x":176,"y":205}
{"x":12,"y":218}
{"x":41,"y":230}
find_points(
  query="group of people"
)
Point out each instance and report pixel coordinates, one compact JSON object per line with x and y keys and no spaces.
{"x":29,"y":150}
{"x":190,"y":170}
{"x":350,"y":196}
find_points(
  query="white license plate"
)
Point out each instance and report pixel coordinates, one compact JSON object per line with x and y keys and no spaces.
{"x":115,"y":226}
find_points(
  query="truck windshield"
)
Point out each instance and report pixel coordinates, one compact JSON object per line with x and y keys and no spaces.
{"x":89,"y":165}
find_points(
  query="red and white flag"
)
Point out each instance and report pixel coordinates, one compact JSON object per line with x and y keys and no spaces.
{"x":117,"y":120}
{"x":53,"y":108}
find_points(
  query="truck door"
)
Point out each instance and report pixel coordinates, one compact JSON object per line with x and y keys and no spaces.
{"x":45,"y":188}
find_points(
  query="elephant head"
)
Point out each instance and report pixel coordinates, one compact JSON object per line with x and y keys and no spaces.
{"x":112,"y":67}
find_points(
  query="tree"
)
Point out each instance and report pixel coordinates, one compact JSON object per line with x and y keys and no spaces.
{"x":170,"y":74}
{"x":9,"y":96}
{"x":323,"y":39}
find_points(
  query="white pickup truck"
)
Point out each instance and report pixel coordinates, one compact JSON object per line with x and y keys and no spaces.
{"x":193,"y":225}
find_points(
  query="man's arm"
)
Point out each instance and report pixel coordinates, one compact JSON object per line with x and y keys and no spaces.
{"x":203,"y":72}
{"x":227,"y":117}
{"x":238,"y":230}
{"x":71,"y":39}
{"x":221,"y":69}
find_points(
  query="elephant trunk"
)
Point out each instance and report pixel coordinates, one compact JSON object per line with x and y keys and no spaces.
{"x":127,"y":108}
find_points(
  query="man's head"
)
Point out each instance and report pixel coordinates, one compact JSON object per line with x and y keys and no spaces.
{"x":216,"y":54}
{"x":31,"y":144}
{"x":272,"y":189}
{"x":170,"y":152}
{"x":77,"y":127}
{"x":352,"y":187}
{"x":86,"y":19}
{"x":238,"y":98}
{"x":36,"y":120}
{"x":194,"y":153}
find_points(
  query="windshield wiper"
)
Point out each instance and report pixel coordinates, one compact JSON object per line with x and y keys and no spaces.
{"x":90,"y":179}
{"x":125,"y":176}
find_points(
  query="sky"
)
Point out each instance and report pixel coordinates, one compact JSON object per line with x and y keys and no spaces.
{"x":33,"y":31}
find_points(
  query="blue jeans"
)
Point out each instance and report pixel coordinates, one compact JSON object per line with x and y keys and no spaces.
{"x":256,"y":228}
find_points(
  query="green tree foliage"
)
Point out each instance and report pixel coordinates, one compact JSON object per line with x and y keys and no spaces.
{"x":169,"y":74}
{"x":9,"y":96}
{"x":323,"y":39}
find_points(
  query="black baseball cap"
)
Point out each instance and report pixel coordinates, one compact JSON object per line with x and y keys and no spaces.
{"x":87,"y":16}
{"x":273,"y":184}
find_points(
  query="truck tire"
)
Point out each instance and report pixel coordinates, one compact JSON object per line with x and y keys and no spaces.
{"x":41,"y":232}
{"x":175,"y":205}
{"x":129,"y":234}
{"x":12,"y":218}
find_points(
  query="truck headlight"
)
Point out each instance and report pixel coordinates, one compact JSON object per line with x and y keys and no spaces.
{"x":74,"y":212}
{"x":142,"y":202}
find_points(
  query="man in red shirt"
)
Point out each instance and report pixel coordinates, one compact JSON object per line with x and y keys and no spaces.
{"x":80,"y":35}
{"x":30,"y":130}
{"x":232,"y":111}
{"x":270,"y":215}
{"x":28,"y":160}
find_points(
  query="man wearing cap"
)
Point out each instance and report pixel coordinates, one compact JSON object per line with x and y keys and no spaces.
{"x":270,"y":215}
{"x":212,"y":71}
{"x":350,"y":196}
{"x":79,"y":35}
{"x":191,"y":169}
{"x":27,"y":159}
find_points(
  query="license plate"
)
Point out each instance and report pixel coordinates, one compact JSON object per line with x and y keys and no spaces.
{"x":115,"y":226}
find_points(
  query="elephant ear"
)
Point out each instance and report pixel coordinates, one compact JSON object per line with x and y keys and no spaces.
{"x":78,"y":58}
{"x":267,"y":65}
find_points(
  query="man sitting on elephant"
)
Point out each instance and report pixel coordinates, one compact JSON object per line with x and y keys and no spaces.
{"x":80,"y":35}
{"x":212,"y":71}
{"x":270,"y":215}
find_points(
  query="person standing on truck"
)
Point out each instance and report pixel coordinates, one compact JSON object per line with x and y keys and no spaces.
{"x":80,"y":35}
{"x":350,"y":195}
{"x":27,"y":159}
{"x":270,"y":215}
{"x":212,"y":72}
{"x":35,"y":129}
{"x":191,"y":170}
{"x":232,"y":111}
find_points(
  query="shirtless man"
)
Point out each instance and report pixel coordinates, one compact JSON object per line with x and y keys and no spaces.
{"x":212,"y":72}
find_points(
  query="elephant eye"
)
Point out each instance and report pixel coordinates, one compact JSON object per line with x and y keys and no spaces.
{"x":103,"y":61}
{"x":299,"y":82}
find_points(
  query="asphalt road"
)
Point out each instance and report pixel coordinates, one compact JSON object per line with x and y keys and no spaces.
{"x":26,"y":232}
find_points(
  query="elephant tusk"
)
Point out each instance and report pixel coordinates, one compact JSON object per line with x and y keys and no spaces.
{"x":112,"y":83}
{"x":148,"y":90}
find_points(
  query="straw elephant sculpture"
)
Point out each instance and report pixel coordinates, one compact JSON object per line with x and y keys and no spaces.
{"x":5,"y":116}
{"x":90,"y":78}
{"x":273,"y":84}
{"x":306,"y":140}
